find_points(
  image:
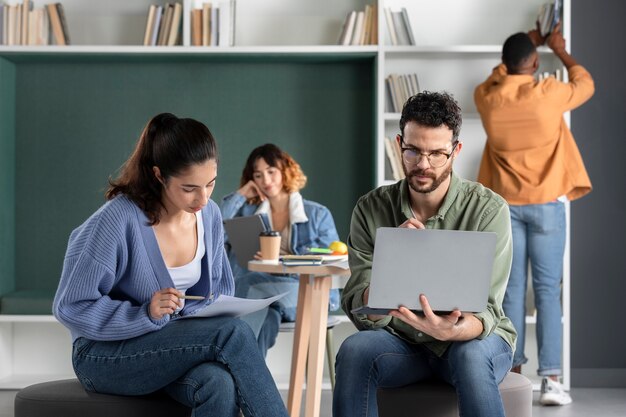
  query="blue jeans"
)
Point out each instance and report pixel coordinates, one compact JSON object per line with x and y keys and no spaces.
{"x":538,"y":236}
{"x":265,"y":323}
{"x":209,"y":364}
{"x":374,"y":359}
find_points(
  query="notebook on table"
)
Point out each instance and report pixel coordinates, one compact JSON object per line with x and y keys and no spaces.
{"x":243,"y":236}
{"x":452,"y":268}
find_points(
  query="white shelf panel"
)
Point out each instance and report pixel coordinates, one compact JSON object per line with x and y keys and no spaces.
{"x":189,"y":50}
{"x":16,"y":318}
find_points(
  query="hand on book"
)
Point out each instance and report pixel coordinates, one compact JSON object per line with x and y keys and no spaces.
{"x":535,"y":36}
{"x":555,"y":39}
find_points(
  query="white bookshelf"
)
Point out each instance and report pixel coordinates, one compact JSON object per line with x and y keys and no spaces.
{"x":457,"y":45}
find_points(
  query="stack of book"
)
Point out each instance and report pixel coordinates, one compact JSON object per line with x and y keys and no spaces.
{"x":360,"y":27}
{"x":163,"y":27}
{"x":399,"y":88}
{"x":394,"y":155}
{"x":213,"y":24}
{"x":295,"y":260}
{"x":549,"y":16}
{"x":25,"y":24}
{"x":399,"y":27}
{"x":557,"y":74}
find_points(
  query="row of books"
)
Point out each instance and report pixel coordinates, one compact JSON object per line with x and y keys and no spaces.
{"x":549,"y":16}
{"x":558,"y":74}
{"x":25,"y":24}
{"x":163,"y":27}
{"x":394,"y":155}
{"x":399,"y":89}
{"x":399,"y":27}
{"x":360,"y":27}
{"x":213,"y":24}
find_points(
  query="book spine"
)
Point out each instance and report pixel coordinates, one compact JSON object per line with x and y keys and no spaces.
{"x":55,"y":22}
{"x":407,"y":26}
{"x":150,"y":21}
{"x":390,"y":27}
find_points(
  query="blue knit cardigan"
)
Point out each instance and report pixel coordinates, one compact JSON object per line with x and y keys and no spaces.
{"x":113,"y":266}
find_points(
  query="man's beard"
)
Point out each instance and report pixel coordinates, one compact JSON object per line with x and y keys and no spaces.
{"x":425,"y":189}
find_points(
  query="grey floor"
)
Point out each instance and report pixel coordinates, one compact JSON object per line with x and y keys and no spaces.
{"x":595,"y":402}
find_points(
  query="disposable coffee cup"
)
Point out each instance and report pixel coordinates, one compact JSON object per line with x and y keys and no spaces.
{"x":269,"y":242}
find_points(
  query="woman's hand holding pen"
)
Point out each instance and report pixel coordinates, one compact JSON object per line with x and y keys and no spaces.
{"x":164,"y":302}
{"x":251,"y":190}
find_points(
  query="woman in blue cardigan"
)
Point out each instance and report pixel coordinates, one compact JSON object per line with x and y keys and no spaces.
{"x":128,"y":269}
{"x":270,"y":185}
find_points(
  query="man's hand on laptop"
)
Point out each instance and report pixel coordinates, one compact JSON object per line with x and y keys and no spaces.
{"x":440,"y":327}
{"x":366,"y":297}
{"x":413,"y":223}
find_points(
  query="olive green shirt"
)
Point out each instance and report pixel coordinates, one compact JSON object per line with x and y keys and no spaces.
{"x":467,"y":206}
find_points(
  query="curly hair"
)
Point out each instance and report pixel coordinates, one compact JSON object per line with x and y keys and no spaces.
{"x":293,"y":177}
{"x":167,"y":142}
{"x":433,"y":109}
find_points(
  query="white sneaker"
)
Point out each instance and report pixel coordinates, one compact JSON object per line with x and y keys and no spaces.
{"x":552,"y":393}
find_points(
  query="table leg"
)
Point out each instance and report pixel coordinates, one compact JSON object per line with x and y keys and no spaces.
{"x":300,"y":346}
{"x":319,"y":316}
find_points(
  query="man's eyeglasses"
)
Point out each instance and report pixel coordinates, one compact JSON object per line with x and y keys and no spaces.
{"x":436,"y":159}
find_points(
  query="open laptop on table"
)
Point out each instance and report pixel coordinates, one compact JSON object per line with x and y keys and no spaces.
{"x":243,"y":236}
{"x":452,"y":268}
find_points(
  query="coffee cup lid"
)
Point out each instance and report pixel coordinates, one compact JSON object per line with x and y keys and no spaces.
{"x":269,"y":233}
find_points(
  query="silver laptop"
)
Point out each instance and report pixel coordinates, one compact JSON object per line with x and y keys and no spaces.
{"x":243,"y":236}
{"x":452,"y":268}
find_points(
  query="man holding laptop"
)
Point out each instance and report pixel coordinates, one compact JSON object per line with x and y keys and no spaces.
{"x":470,"y":350}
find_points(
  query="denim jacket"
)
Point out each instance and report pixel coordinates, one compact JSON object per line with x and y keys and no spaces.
{"x":311,"y":223}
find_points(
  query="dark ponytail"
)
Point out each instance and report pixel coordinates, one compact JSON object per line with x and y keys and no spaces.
{"x":167,"y":142}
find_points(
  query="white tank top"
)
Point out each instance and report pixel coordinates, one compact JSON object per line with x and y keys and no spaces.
{"x":186,"y":276}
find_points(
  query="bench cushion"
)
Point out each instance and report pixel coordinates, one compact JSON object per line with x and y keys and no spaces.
{"x":438,"y":399}
{"x":67,"y":398}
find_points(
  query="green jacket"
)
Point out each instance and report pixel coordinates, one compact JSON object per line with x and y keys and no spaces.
{"x":467,"y":206}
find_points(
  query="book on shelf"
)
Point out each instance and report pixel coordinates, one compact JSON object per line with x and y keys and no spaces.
{"x":359,"y":27}
{"x":174,"y":27}
{"x":147,"y":37}
{"x":38,"y":27}
{"x":215,"y":33}
{"x":26,"y":6}
{"x":399,"y":27}
{"x":226,"y":24}
{"x":206,"y":23}
{"x":163,"y":25}
{"x":549,"y":16}
{"x":407,"y":26}
{"x":209,"y":23}
{"x":58,"y":23}
{"x":196,"y":27}
{"x":399,"y":89}
{"x":394,"y":156}
{"x":64,"y":26}
{"x":348,"y":29}
{"x":390,"y":27}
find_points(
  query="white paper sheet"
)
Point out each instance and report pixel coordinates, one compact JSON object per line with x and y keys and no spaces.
{"x":229,"y":306}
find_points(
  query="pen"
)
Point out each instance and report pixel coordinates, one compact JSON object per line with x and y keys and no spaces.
{"x":191,"y":297}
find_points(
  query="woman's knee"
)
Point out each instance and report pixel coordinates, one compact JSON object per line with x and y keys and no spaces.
{"x":214,"y":385}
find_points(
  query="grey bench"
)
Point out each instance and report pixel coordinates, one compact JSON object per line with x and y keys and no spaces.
{"x":438,"y":399}
{"x":67,"y":398}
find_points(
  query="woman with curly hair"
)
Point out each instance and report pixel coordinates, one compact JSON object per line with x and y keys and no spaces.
{"x":270,"y":185}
